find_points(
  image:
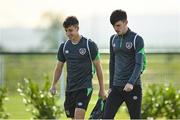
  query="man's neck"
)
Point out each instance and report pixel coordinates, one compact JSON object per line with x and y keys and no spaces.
{"x":125,"y":30}
{"x":76,"y":39}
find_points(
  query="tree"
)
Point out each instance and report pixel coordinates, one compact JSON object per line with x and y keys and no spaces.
{"x":54,"y":33}
{"x":1,"y":48}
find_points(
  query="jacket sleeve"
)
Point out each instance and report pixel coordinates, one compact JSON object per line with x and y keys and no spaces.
{"x":139,"y":52}
{"x":111,"y":64}
{"x":60,"y":54}
{"x":94,"y":50}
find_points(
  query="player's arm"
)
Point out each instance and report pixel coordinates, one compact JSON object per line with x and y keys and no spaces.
{"x":139,"y":51}
{"x":57,"y":72}
{"x":138,"y":59}
{"x":58,"y":69}
{"x":97,"y":64}
{"x":111,"y":64}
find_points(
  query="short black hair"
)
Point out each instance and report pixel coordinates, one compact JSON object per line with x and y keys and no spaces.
{"x":69,"y":21}
{"x":118,"y":15}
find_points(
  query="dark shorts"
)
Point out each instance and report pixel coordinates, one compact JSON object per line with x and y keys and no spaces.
{"x":77,"y":99}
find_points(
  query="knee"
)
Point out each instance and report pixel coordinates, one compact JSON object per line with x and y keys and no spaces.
{"x":79,"y":113}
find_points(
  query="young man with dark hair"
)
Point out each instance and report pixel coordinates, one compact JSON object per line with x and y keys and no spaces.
{"x":79,"y":53}
{"x":125,"y":67}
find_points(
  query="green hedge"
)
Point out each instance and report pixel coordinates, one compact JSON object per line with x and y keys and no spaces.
{"x":3,"y":96}
{"x":161,"y":101}
{"x":39,"y":101}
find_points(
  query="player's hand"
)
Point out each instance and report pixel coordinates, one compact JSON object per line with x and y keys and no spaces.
{"x":53,"y":90}
{"x":128,"y":87}
{"x":102,"y":94}
{"x":109,"y":91}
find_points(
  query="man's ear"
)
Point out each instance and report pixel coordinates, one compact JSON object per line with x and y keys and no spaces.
{"x":126,"y":22}
{"x":77,"y":27}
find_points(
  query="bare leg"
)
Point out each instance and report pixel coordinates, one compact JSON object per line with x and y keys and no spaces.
{"x":79,"y":113}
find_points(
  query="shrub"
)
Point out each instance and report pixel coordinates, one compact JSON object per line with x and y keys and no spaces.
{"x":161,"y":101}
{"x":3,"y":96}
{"x":40,"y":102}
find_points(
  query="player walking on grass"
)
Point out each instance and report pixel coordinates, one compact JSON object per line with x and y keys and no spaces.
{"x":127,"y":61}
{"x":79,"y":53}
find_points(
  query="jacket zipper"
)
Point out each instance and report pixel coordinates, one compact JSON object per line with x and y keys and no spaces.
{"x":121,"y":39}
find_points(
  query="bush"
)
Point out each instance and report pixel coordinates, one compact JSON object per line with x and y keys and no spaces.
{"x":3,"y":96}
{"x":161,"y":101}
{"x":40,"y":102}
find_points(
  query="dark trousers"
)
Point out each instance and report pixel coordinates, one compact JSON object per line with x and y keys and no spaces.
{"x":132,"y":99}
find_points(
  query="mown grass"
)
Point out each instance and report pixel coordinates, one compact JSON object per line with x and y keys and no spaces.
{"x":17,"y":110}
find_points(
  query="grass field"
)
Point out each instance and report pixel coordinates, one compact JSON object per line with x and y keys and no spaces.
{"x":161,"y":68}
{"x":17,"y":109}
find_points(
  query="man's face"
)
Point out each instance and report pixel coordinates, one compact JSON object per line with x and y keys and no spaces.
{"x":120,"y":27}
{"x":72,"y":31}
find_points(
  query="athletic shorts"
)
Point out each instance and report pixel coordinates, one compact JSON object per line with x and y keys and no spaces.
{"x":77,"y":99}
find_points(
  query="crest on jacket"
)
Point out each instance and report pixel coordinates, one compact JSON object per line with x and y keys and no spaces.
{"x":129,"y":45}
{"x":82,"y":51}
